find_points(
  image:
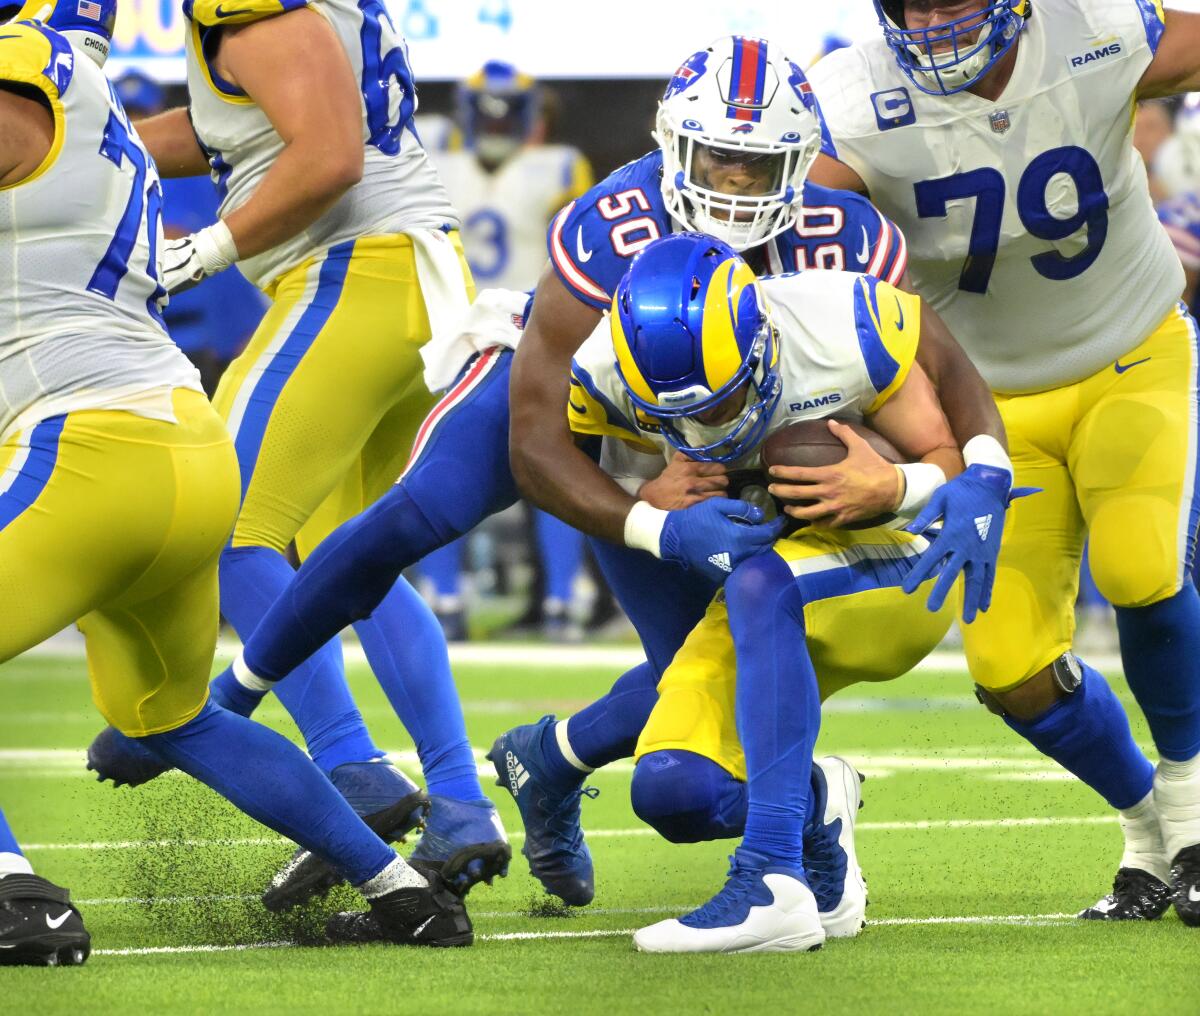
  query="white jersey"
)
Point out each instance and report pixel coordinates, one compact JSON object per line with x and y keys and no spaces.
{"x":1029,"y":222}
{"x":846,"y":342}
{"x":505,"y":213}
{"x":80,"y":322}
{"x":399,"y":190}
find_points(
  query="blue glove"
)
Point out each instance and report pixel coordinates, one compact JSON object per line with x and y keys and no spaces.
{"x":717,"y":535}
{"x":972,"y":508}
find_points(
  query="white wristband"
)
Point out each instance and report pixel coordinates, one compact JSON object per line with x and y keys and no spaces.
{"x":985,"y":450}
{"x":215,"y":247}
{"x":644,"y":526}
{"x":921,"y":479}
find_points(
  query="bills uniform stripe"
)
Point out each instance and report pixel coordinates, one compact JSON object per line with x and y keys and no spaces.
{"x":1189,"y":511}
{"x":475,"y":374}
{"x":583,"y":286}
{"x":30,"y":470}
{"x":265,"y":382}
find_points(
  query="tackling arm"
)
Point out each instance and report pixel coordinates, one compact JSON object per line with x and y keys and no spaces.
{"x":171,"y":140}
{"x":26,"y":132}
{"x":1176,"y":64}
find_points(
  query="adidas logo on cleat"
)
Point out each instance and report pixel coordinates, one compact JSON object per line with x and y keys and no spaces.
{"x":721,"y":560}
{"x":983,"y":526}
{"x":516,"y":773}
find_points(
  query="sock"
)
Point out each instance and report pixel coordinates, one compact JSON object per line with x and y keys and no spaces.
{"x":272,"y":781}
{"x":687,"y":797}
{"x":443,"y":568}
{"x":343,"y":580}
{"x":405,"y":647}
{"x":778,"y":706}
{"x":1087,"y":733}
{"x":230,"y":688}
{"x":1160,"y":648}
{"x":1143,"y":840}
{"x":561,"y":550}
{"x":316,"y":696}
{"x":608,"y":729}
{"x":399,"y":874}
{"x":1177,"y":801}
{"x":12,"y":861}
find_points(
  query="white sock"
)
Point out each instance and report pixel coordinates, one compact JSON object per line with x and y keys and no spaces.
{"x":1170,"y":770}
{"x":14,"y":864}
{"x":1143,"y":839}
{"x":248,"y":679}
{"x":564,"y":745}
{"x":398,"y":874}
{"x":1177,"y":798}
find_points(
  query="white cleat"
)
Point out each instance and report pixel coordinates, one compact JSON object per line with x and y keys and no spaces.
{"x":761,"y":909}
{"x":830,"y":859}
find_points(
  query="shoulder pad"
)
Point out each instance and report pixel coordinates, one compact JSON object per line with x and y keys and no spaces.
{"x":842,"y":230}
{"x":35,"y":55}
{"x":236,"y":12}
{"x":593,"y":239}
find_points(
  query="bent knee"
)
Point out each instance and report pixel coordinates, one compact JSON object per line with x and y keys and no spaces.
{"x":687,"y":798}
{"x":758,"y":582}
{"x":1134,"y":565}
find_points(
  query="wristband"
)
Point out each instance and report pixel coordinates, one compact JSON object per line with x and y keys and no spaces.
{"x":921,"y":479}
{"x":985,"y":450}
{"x":644,"y":526}
{"x":215,"y":247}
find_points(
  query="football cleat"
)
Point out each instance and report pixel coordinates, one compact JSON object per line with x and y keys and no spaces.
{"x":428,"y":915}
{"x":122,"y":759}
{"x":387,"y":800}
{"x":1185,"y":877}
{"x":1136,"y":896}
{"x":554,"y":846}
{"x":39,"y":926}
{"x":762,"y":908}
{"x":464,"y":841}
{"x":830,"y":860}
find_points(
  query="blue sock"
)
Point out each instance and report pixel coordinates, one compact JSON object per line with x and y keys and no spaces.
{"x":561,"y":549}
{"x":1160,"y":647}
{"x":443,"y":568}
{"x":8,"y":842}
{"x":342,"y":581}
{"x":317,"y":695}
{"x":778,"y":705}
{"x":608,"y":729}
{"x":406,"y":649}
{"x":1087,"y":733}
{"x":271,"y":780}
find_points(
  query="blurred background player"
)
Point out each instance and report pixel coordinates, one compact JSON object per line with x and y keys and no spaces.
{"x":332,"y":207}
{"x":119,"y":487}
{"x":507,"y":182}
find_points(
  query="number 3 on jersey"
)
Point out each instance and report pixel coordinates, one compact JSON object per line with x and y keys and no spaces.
{"x":632,"y":235}
{"x":987,"y":187}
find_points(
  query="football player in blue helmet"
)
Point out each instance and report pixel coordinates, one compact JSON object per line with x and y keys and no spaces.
{"x":954,"y":54}
{"x":88,"y":25}
{"x":498,"y":110}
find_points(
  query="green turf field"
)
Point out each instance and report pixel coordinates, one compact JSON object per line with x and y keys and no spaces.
{"x":976,"y":853}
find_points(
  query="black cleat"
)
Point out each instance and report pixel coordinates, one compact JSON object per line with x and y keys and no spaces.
{"x":432,"y":915}
{"x":38,"y":924}
{"x":1185,"y":876}
{"x":1136,"y":896}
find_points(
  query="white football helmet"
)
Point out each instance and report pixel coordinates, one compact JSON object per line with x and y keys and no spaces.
{"x":739,"y":128}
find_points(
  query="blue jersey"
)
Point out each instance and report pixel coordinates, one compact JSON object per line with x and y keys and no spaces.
{"x":594,"y":237}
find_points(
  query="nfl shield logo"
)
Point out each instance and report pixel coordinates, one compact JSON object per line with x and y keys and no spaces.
{"x":1000,"y":121}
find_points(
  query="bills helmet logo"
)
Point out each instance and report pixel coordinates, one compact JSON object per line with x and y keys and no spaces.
{"x":743,"y":128}
{"x":689,"y":72}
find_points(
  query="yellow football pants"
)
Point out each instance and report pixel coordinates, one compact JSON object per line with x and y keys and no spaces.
{"x":117,"y":521}
{"x":1115,"y":456}
{"x":325,"y":401}
{"x":859,"y":626}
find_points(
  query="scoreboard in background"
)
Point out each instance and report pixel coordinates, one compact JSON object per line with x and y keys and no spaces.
{"x":547,"y":38}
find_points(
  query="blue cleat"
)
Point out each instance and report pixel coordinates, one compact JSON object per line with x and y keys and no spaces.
{"x":763,"y":907}
{"x":558,"y":857}
{"x":122,"y":759}
{"x":464,"y":841}
{"x":830,"y":860}
{"x":387,"y":800}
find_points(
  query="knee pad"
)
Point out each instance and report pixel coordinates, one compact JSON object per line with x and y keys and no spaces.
{"x":756,"y":584}
{"x":688,"y":798}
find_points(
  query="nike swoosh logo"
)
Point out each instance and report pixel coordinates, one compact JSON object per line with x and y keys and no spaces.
{"x":900,"y":311}
{"x":1194,"y":894}
{"x":11,"y":37}
{"x":866,"y":247}
{"x":1121,"y":368}
{"x":221,"y":12}
{"x":57,"y":922}
{"x":583,"y":255}
{"x":581,"y":410}
{"x":421,"y":927}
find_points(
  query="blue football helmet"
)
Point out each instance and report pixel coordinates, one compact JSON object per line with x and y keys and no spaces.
{"x":498,"y":109}
{"x":87,"y":24}
{"x":691,"y":330}
{"x":975,"y":43}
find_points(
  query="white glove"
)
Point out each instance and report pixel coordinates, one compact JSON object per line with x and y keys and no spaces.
{"x":191,"y":258}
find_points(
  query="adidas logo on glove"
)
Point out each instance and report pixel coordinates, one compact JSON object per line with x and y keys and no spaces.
{"x":983,"y":526}
{"x":721,"y":560}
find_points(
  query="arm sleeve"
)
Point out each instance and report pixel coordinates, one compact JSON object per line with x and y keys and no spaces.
{"x":888,"y":322}
{"x":237,"y":12}
{"x":591,"y":413}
